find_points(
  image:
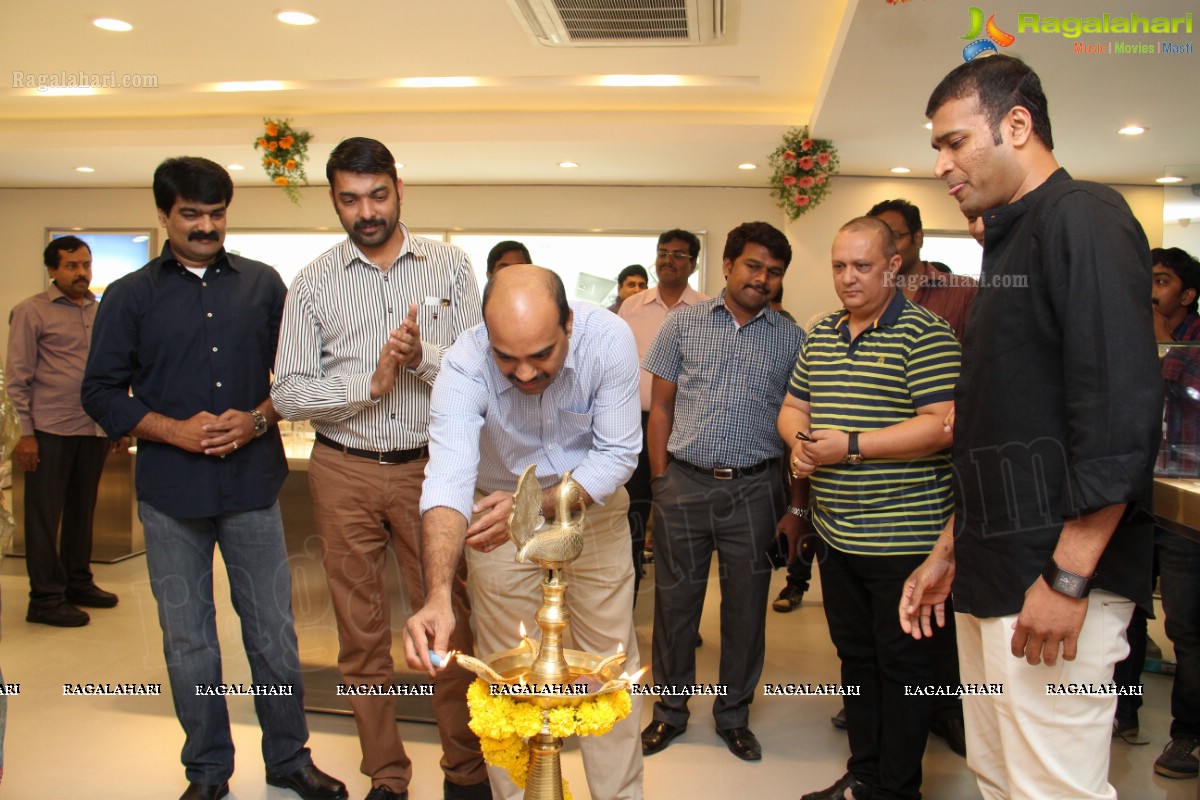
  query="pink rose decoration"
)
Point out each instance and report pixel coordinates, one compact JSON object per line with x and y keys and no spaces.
{"x":806,"y":144}
{"x":822,"y":158}
{"x":801,"y":200}
{"x":806,"y":162}
{"x":788,"y":155}
{"x":788,"y":180}
{"x":806,"y":182}
{"x":820,"y":180}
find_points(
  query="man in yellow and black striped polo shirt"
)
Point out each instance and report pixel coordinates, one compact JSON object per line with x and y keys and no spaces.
{"x":865,"y":410}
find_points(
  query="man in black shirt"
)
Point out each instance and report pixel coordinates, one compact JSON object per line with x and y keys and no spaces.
{"x":193,"y":334}
{"x":1058,"y":408}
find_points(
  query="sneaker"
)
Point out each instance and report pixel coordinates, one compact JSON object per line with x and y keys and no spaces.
{"x":1178,"y":759}
{"x":838,"y":720}
{"x":788,"y":600}
{"x":1128,"y":731}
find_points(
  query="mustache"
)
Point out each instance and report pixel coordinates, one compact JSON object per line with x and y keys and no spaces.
{"x":363,"y":223}
{"x":541,"y":376}
{"x":203,"y":236}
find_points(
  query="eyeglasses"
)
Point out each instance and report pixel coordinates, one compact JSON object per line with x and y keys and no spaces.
{"x":675,"y":255}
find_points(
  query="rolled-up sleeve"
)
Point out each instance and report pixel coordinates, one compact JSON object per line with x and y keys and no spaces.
{"x":616,"y":421}
{"x":458,"y":408}
{"x":1100,"y":278}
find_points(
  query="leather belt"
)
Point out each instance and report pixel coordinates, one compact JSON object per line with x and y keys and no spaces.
{"x":727,"y":473}
{"x":390,"y":457}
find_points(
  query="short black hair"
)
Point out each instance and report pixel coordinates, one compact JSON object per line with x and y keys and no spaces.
{"x":762,"y":233}
{"x":551,"y":281}
{"x":630,"y":271}
{"x":63,"y":244}
{"x":506,"y":246}
{"x":911,"y":214}
{"x":693,"y":241}
{"x":999,"y":83}
{"x":363,"y":156}
{"x":191,"y":178}
{"x":1184,"y":265}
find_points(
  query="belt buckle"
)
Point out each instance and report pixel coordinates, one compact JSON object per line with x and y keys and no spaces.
{"x":723,"y":473}
{"x":383,"y":458}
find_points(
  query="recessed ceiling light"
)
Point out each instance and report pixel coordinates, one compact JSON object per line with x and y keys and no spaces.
{"x":140,"y":239}
{"x":399,"y":165}
{"x":234,"y":167}
{"x":640,"y":80}
{"x":747,"y":165}
{"x":1132,"y":130}
{"x":109,"y":24}
{"x":901,"y":170}
{"x":1169,"y":179}
{"x":568,"y":164}
{"x":438,"y":82}
{"x":296,"y":18}
{"x":928,"y":125}
{"x":84,"y":169}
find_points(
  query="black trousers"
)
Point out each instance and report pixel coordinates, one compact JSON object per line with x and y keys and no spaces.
{"x":641,"y":500}
{"x":695,"y":516}
{"x":61,"y":489}
{"x":887,"y":728}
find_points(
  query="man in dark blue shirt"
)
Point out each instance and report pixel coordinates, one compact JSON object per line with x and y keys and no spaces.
{"x":193,"y":333}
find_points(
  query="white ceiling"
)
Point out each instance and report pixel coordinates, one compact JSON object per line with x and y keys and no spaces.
{"x":859,"y":71}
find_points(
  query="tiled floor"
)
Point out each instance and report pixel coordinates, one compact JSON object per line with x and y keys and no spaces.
{"x":128,"y":748}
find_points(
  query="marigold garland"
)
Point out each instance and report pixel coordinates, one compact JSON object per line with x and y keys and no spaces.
{"x":503,"y":725}
{"x":285,"y":150}
{"x":803,"y":168}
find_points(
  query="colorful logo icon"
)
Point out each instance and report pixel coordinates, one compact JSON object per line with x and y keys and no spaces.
{"x":995,"y":36}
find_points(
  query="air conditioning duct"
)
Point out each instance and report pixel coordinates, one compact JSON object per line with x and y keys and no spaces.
{"x":622,"y":23}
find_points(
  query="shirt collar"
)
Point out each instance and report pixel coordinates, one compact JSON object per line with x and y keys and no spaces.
{"x":1183,"y":331}
{"x":766,"y":312}
{"x":689,"y":297}
{"x":351,"y":253}
{"x":889,"y":316}
{"x":998,"y":221}
{"x":167,"y":258}
{"x":54,"y":294}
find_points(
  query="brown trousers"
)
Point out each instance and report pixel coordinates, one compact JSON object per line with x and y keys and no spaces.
{"x":360,"y":507}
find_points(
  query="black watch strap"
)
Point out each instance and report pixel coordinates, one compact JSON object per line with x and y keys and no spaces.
{"x":1067,"y":582}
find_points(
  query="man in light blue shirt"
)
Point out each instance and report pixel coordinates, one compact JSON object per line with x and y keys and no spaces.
{"x":549,"y":383}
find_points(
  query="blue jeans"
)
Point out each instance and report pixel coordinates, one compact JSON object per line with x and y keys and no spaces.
{"x":179,"y":554}
{"x":1179,"y":580}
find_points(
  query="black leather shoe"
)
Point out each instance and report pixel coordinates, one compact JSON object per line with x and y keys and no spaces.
{"x":310,"y":783}
{"x":205,"y":791}
{"x":838,"y":720}
{"x":658,"y":735}
{"x":742,"y":743}
{"x":63,"y":615}
{"x":858,"y":790}
{"x":474,"y":791}
{"x":952,"y":730}
{"x":384,"y":793}
{"x":91,"y":597}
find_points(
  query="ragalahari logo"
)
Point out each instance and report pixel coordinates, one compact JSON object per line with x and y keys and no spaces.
{"x":995,"y":36}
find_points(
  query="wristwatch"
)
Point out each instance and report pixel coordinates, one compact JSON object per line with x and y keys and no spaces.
{"x":260,"y":422}
{"x":1068,"y":583}
{"x":802,"y":513}
{"x":853,"y":457}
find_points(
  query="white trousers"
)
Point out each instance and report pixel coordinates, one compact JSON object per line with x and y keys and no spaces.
{"x":600,"y":601}
{"x":1028,"y":744}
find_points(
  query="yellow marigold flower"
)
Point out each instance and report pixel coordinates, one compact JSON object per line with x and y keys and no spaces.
{"x":272,"y":146}
{"x":262,"y":142}
{"x":286,"y":142}
{"x":272,"y":129}
{"x":290,"y":165}
{"x":282,"y":181}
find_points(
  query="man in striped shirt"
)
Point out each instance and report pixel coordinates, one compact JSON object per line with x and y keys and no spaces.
{"x":866,"y":409}
{"x":364,"y":331}
{"x":553,"y":384}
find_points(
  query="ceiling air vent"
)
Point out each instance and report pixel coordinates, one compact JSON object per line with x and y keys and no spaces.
{"x":622,"y":23}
